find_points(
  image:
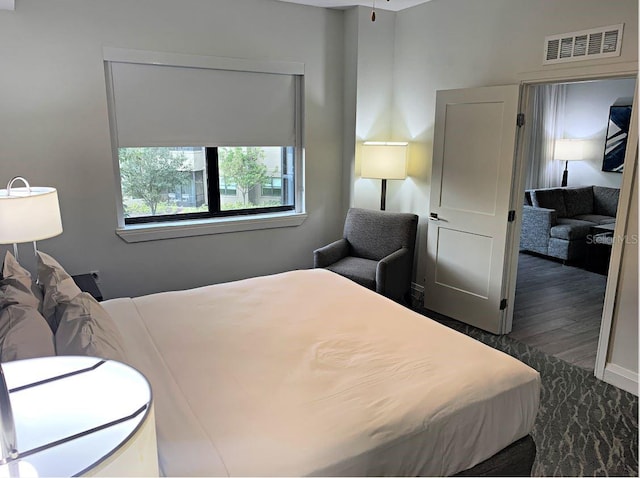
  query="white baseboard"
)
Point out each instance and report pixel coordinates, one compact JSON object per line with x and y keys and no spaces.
{"x":621,"y":378}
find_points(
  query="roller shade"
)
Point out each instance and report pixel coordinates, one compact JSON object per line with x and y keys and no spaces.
{"x":157,"y":105}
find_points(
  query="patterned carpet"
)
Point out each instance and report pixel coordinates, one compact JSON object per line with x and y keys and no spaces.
{"x":585,"y":427}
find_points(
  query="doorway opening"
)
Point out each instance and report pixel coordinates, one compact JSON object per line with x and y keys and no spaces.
{"x":571,"y":199}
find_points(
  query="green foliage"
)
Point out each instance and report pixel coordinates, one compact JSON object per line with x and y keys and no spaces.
{"x":229,"y":206}
{"x":149,"y":173}
{"x":243,"y":166}
{"x":136,"y":209}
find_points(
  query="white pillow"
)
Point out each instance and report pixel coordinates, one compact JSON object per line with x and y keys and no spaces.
{"x":85,"y":328}
{"x":24,"y":334}
{"x":58,"y":287}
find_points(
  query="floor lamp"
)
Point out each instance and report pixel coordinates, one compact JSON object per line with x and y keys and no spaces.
{"x":384,"y":160}
{"x":27,"y":214}
{"x":568,"y":150}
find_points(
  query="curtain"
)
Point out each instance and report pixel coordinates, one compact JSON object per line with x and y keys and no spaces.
{"x":548,"y":125}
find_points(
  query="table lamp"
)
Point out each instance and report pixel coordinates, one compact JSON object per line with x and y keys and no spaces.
{"x":568,"y":150}
{"x":384,"y":160}
{"x":28,"y":214}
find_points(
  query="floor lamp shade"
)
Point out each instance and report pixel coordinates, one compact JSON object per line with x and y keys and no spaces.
{"x":29,"y":214}
{"x":384,"y":160}
{"x":568,"y":150}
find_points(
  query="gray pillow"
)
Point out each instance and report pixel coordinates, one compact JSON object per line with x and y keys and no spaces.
{"x":606,"y":200}
{"x":58,"y":287}
{"x":578,"y":201}
{"x":552,"y":198}
{"x":24,"y":334}
{"x":17,"y":287}
{"x":85,"y":328}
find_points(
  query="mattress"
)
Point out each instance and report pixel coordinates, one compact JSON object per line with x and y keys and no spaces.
{"x":308,"y":373}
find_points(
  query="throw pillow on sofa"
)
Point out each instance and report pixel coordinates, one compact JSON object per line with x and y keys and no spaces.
{"x":605,"y":200}
{"x":578,"y":201}
{"x":550,"y":199}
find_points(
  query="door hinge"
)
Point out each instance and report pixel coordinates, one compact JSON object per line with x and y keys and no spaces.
{"x":503,"y":304}
{"x":512,"y":216}
{"x":520,"y":119}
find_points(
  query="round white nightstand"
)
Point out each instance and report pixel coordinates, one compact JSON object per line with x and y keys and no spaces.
{"x":80,"y":416}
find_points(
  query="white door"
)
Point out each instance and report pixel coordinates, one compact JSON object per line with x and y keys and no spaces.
{"x":473,"y":161}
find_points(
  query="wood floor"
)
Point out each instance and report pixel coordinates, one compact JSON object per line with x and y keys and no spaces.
{"x":558,"y":309}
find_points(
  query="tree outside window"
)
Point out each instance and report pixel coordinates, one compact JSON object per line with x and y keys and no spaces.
{"x":150,"y":174}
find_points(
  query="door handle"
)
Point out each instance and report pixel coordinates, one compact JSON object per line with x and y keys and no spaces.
{"x":433,"y":217}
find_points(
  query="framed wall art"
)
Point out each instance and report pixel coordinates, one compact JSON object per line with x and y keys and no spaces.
{"x":616,"y":141}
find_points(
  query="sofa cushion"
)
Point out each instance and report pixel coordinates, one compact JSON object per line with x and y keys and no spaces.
{"x":605,"y":200}
{"x":596,"y":218}
{"x":571,"y":229}
{"x":552,"y":198}
{"x":578,"y":201}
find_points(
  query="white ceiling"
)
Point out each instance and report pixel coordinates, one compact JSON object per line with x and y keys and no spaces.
{"x":394,"y":5}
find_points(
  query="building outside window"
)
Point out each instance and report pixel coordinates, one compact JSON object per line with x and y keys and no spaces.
{"x":168,"y":183}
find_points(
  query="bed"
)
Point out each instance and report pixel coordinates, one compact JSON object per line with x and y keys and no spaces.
{"x":308,"y":373}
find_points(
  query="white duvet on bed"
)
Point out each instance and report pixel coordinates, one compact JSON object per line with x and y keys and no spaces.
{"x":306,"y":372}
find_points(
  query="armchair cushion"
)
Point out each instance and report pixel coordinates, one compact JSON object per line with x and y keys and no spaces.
{"x":362,"y":271}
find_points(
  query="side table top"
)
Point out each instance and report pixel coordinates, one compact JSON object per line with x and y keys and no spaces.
{"x":71,"y":413}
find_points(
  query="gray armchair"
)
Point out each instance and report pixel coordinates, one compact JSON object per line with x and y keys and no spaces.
{"x":376,"y":251}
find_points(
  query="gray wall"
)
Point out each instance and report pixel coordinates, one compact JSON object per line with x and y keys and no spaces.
{"x":55,"y":131}
{"x":586,"y":117}
{"x":446,"y":44}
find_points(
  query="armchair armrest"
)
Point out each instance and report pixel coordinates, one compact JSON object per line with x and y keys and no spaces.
{"x":331,"y":253}
{"x":393,"y":274}
{"x":536,"y":228}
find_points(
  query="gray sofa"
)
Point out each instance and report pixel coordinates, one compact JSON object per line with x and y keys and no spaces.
{"x":556,"y":222}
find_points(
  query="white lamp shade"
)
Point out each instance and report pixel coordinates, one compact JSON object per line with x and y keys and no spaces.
{"x":384,"y":160}
{"x":569,"y":150}
{"x":29,"y":214}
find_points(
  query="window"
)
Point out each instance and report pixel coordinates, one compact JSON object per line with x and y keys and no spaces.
{"x":167,"y":184}
{"x":178,"y":123}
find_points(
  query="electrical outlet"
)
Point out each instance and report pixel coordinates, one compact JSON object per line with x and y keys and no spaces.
{"x":96,"y":276}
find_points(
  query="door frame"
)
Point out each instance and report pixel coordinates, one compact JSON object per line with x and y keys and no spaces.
{"x":527,"y":81}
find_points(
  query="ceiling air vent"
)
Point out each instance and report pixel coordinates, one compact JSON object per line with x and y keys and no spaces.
{"x":600,"y":42}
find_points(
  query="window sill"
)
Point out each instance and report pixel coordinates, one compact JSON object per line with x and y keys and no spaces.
{"x":203,"y":227}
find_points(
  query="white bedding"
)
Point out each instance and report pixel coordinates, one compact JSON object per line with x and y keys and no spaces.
{"x":306,"y":373}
